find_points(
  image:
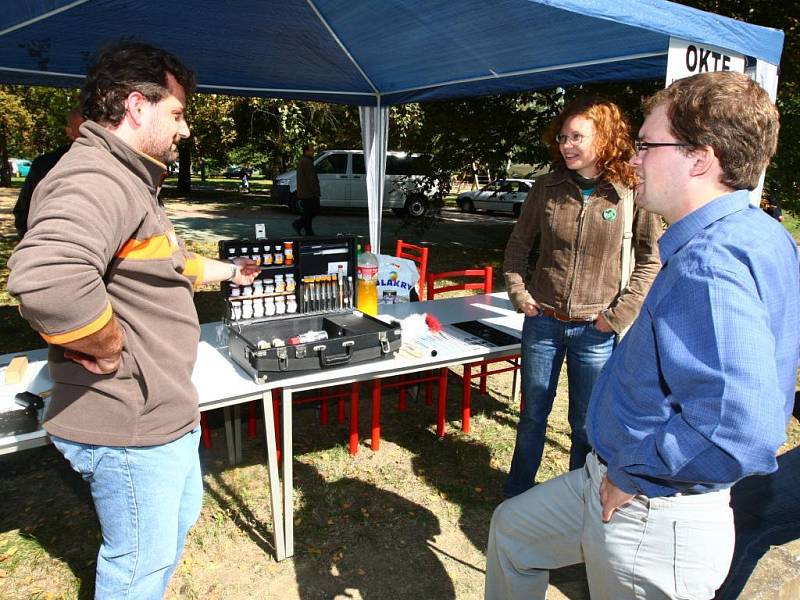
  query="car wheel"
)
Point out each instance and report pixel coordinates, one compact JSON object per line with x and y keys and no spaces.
{"x":467,"y":205}
{"x":517,"y":209}
{"x":416,"y":206}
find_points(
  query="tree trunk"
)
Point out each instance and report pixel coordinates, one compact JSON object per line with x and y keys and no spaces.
{"x":185,"y":168}
{"x":5,"y":168}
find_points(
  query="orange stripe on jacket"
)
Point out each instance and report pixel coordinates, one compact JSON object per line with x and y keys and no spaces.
{"x":81,"y":332}
{"x":194,"y":269}
{"x":158,"y":246}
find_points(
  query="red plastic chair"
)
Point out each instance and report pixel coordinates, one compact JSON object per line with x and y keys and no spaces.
{"x":473,"y":279}
{"x":419,"y":254}
{"x":338,"y":393}
{"x":481,"y":280}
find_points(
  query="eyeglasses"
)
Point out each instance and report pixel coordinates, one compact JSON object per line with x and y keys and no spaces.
{"x":575,"y":138}
{"x":642,"y":146}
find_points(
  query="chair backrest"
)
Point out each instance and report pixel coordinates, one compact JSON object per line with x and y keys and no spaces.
{"x":475,"y":279}
{"x":419,"y":254}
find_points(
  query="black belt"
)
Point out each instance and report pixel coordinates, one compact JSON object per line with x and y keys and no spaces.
{"x":599,"y":458}
{"x":549,"y":312}
{"x":689,"y":492}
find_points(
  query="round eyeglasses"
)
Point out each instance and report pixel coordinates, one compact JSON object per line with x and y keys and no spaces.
{"x":574,"y":138}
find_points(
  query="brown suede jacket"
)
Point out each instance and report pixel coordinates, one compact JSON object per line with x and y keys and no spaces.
{"x":567,"y":254}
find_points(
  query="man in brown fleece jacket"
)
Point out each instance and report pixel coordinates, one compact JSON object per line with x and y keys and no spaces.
{"x":103,"y":278}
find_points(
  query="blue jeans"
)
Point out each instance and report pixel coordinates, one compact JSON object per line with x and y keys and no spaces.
{"x":146,"y":498}
{"x":545,"y":342}
{"x":766,"y":511}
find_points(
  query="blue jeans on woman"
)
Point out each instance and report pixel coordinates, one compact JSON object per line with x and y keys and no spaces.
{"x":146,"y":498}
{"x":545,"y":343}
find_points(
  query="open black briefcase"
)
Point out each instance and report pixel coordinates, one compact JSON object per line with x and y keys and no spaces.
{"x":299,"y":313}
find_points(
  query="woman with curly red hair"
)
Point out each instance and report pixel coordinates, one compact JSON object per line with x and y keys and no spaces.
{"x":568,"y":268}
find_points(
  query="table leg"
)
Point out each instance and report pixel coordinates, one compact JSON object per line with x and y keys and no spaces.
{"x":355,"y":397}
{"x":375,"y":440}
{"x":288,"y":504}
{"x":237,"y":432}
{"x":274,"y":482}
{"x":466,"y":395}
{"x":229,"y":441}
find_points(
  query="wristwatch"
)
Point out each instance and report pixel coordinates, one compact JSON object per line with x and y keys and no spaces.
{"x":234,"y":270}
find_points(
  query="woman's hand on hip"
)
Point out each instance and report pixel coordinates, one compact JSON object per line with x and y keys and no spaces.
{"x":530,"y":308}
{"x":601,"y":324}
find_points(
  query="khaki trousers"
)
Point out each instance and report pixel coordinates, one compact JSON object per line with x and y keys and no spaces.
{"x":678,"y":547}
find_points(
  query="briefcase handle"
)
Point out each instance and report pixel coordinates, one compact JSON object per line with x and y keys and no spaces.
{"x":338,"y":359}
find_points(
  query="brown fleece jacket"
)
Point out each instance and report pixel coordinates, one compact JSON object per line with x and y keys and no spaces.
{"x":99,"y":244}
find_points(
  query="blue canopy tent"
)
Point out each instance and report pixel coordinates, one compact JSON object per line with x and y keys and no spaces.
{"x":374,"y":53}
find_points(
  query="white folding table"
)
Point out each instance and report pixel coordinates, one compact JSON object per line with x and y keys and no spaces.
{"x":222,"y":384}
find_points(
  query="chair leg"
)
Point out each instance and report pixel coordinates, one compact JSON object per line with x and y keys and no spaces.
{"x":376,"y":414}
{"x":252,"y":409}
{"x":401,"y":398}
{"x":355,"y":395}
{"x":323,"y":412}
{"x":205,"y":432}
{"x":466,"y":395}
{"x":440,"y":413}
{"x":484,"y":377}
{"x":340,"y":406}
{"x":514,"y":381}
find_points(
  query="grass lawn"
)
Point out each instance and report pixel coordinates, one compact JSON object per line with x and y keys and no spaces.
{"x":408,"y":521}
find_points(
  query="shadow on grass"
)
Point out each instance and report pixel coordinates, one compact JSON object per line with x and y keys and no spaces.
{"x":15,"y":333}
{"x":380,"y":539}
{"x":349,"y":534}
{"x":49,"y":503}
{"x":460,"y":468}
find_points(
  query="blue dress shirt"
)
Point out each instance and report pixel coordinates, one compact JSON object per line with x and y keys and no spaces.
{"x":699,"y":392}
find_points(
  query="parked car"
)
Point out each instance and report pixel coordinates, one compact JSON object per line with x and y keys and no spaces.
{"x":236,"y":172}
{"x":343,"y":182}
{"x":502,"y":195}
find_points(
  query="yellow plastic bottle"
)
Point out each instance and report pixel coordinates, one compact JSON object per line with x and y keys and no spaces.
{"x":367,"y":286}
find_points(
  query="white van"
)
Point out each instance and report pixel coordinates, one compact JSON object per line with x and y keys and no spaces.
{"x":343,"y":182}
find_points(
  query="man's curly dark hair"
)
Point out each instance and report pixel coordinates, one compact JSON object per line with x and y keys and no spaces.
{"x":124,"y":67}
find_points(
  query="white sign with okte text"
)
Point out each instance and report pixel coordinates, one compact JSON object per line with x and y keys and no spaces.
{"x":690,"y":58}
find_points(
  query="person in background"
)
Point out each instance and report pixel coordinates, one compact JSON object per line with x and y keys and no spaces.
{"x":772,"y":207}
{"x":576,"y":296}
{"x":104,"y":279}
{"x":698,"y":394}
{"x":308,"y":192}
{"x":40,"y":167}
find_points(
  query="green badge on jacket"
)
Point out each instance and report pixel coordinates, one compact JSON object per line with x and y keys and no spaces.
{"x":609,"y":214}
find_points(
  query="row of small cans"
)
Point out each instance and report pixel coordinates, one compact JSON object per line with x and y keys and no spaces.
{"x":281,"y":253}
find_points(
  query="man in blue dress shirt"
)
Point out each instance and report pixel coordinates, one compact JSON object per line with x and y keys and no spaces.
{"x":698,"y":394}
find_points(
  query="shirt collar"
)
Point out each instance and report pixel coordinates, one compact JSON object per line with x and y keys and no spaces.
{"x":561,"y":175}
{"x":144,"y":166}
{"x":683,"y":230}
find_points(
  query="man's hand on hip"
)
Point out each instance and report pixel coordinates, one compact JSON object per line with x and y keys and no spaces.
{"x":94,"y":364}
{"x":611,"y":497}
